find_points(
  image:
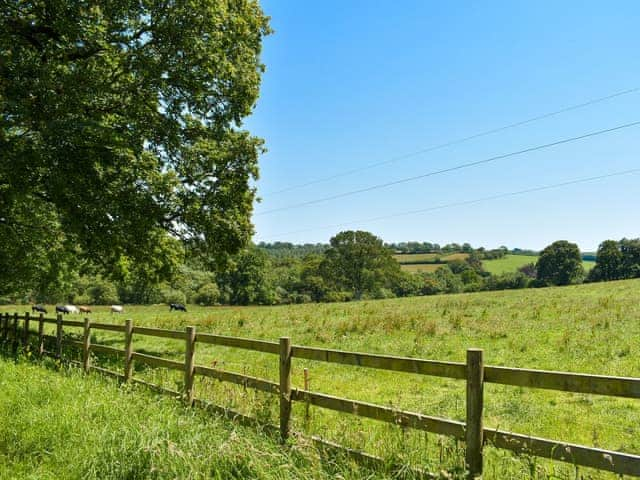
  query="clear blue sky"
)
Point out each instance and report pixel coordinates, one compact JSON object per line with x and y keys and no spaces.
{"x":350,"y":83}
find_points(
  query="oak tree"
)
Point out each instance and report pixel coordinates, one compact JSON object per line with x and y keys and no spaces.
{"x":121,"y":124}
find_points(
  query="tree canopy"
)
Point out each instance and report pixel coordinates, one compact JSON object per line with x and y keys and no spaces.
{"x":358,"y":261}
{"x":121,"y":124}
{"x":560,"y":264}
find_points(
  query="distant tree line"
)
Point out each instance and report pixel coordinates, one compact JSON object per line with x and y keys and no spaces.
{"x":355,"y":265}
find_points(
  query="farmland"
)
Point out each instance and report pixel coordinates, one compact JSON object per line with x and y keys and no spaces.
{"x":588,"y":328}
{"x":426,"y":262}
{"x":508,"y":263}
{"x":430,"y":262}
{"x":511,"y":263}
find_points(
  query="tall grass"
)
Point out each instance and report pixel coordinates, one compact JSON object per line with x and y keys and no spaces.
{"x":65,"y":425}
{"x":588,"y":328}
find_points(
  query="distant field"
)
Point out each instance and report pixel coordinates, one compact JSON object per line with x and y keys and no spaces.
{"x":420,"y":258}
{"x":422,"y":267}
{"x":591,"y":328}
{"x":455,"y":256}
{"x":511,"y":263}
{"x":415,"y":257}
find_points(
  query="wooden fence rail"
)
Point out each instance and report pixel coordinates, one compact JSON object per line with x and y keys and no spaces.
{"x":473,"y":372}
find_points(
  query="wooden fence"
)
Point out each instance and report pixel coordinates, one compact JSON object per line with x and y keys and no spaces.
{"x":474,"y":372}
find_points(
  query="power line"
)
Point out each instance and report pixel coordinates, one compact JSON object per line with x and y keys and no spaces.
{"x":465,"y":202}
{"x":455,"y":142}
{"x":450,"y":169}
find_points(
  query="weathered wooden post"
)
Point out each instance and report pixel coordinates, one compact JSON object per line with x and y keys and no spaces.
{"x":41,"y":334}
{"x":86,"y":346}
{"x":189,"y":362}
{"x":5,"y":326}
{"x":128,"y":349}
{"x":475,"y":387}
{"x":285,"y":388}
{"x":15,"y":332}
{"x":25,"y":338}
{"x":59,"y":336}
{"x":306,"y":389}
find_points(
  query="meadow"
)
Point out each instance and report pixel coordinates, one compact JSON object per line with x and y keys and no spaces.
{"x":591,"y":328}
{"x":511,"y":263}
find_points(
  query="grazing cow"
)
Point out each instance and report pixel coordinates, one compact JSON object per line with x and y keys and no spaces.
{"x":38,"y":308}
{"x":177,"y":306}
{"x":62,"y":309}
{"x":117,"y":309}
{"x":85,"y":309}
{"x":72,"y":309}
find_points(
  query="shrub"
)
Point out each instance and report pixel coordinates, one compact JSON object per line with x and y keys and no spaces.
{"x":170,"y":295}
{"x":103,"y":293}
{"x":208,"y":294}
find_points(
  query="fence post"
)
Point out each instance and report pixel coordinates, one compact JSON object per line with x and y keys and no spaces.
{"x":86,"y":346}
{"x":41,"y":334}
{"x":189,"y":361}
{"x":25,"y":339}
{"x":306,"y":389}
{"x":15,"y":332}
{"x":474,"y":440}
{"x":5,"y":326}
{"x":285,"y":388}
{"x":59,"y":336}
{"x":128,"y":350}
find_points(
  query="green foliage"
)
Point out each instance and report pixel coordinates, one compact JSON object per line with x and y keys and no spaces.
{"x":247,"y":280}
{"x":358,"y":262}
{"x":120,"y":123}
{"x":617,"y":260}
{"x":442,"y":280}
{"x":508,"y":281}
{"x":208,"y":294}
{"x":104,"y":292}
{"x":560,"y":264}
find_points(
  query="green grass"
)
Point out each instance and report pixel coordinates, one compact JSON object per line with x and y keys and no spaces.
{"x":511,"y":263}
{"x":64,"y":425}
{"x":426,"y":258}
{"x":591,"y":328}
{"x":508,"y":263}
{"x":422,"y":267}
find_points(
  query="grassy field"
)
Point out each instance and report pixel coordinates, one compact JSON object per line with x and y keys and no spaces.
{"x":511,"y":263}
{"x":425,"y":262}
{"x":422,"y":267}
{"x":508,"y":263}
{"x":415,"y":257}
{"x":418,"y":258}
{"x":591,"y":328}
{"x":63,"y":425}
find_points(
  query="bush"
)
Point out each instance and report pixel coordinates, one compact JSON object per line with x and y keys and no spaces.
{"x":208,"y":294}
{"x":337,"y":296}
{"x":83,"y":299}
{"x":103,"y":293}
{"x":508,"y":281}
{"x":170,"y":295}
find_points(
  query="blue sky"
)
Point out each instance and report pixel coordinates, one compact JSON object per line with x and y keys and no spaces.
{"x":353,"y":83}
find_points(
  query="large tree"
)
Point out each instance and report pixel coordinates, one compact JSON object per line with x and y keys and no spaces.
{"x":608,"y":262}
{"x":560,"y":264}
{"x":358,"y":261}
{"x":120,"y":124}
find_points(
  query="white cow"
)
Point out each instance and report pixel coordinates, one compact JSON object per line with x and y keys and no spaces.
{"x":117,"y":309}
{"x":72,"y":309}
